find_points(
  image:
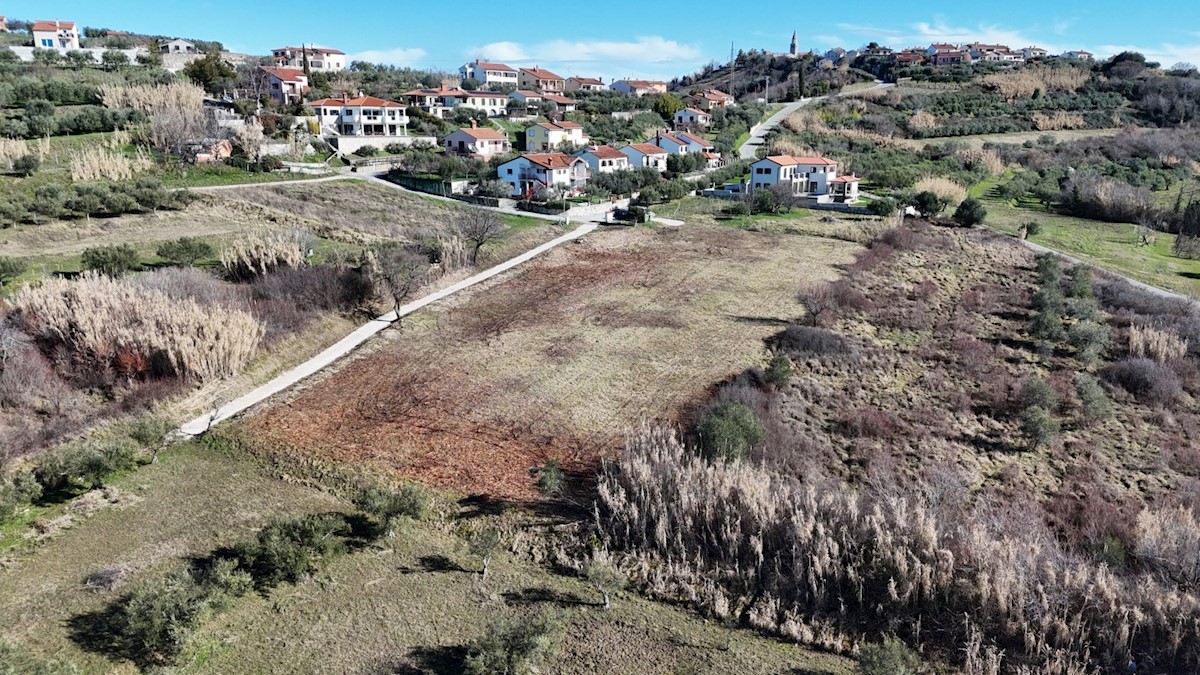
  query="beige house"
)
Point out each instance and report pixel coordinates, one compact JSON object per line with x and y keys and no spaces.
{"x":55,"y":35}
{"x":584,"y":84}
{"x":540,"y":79}
{"x":285,"y":85}
{"x":476,"y":142}
{"x":639,"y":87}
{"x":552,"y":136}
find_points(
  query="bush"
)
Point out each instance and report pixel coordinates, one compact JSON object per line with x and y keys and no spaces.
{"x":890,"y":657}
{"x":1039,"y":427}
{"x":970,"y":212}
{"x":367,"y":151}
{"x":26,"y":165}
{"x":1049,"y":269}
{"x":1149,"y":381}
{"x":929,"y":204}
{"x":1090,"y":340}
{"x":17,"y":490}
{"x":779,"y":371}
{"x":386,"y":507}
{"x":729,"y":431}
{"x":1047,"y":325}
{"x":84,"y":465}
{"x":518,"y":647}
{"x":1092,"y":399}
{"x":803,"y":340}
{"x":764,"y":201}
{"x":157,"y":619}
{"x":1037,"y":393}
{"x":290,"y":548}
{"x":113,"y":261}
{"x":738,"y":208}
{"x":884,"y":208}
{"x":9,"y":268}
{"x":1081,"y":282}
{"x":185,"y":250}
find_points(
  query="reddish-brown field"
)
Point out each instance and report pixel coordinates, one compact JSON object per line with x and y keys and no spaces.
{"x":558,"y":360}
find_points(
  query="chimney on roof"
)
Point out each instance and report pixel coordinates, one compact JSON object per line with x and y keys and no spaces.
{"x":473,"y":123}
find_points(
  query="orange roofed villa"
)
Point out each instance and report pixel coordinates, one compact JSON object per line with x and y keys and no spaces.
{"x":815,"y":178}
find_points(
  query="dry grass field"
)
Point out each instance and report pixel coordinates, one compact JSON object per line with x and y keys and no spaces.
{"x":557,"y":361}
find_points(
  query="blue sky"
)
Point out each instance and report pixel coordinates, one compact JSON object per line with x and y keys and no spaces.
{"x":618,"y":38}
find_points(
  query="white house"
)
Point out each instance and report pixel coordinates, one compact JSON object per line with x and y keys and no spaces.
{"x":483,"y":143}
{"x":604,"y":159}
{"x":550,"y":136}
{"x":55,"y":35}
{"x":813,"y":177}
{"x":488,"y":73}
{"x":1080,"y":54}
{"x":577,"y":83}
{"x":540,"y":79}
{"x":361,"y":116}
{"x":695,"y":143}
{"x":1032,"y":52}
{"x":645,"y":155}
{"x":940,"y":48}
{"x":285,"y":85}
{"x":442,"y":101}
{"x":533,"y":172}
{"x":176,"y":46}
{"x":639,"y":87}
{"x":320,"y":59}
{"x":689,"y":118}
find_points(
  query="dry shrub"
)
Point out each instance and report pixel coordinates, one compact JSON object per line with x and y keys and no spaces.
{"x":1168,"y":540}
{"x":787,"y":146}
{"x":97,"y":163}
{"x":1149,"y":381}
{"x":452,"y":252}
{"x":827,"y":565}
{"x":988,"y":159}
{"x":1153,"y":343}
{"x":942,"y":187}
{"x":1024,"y":82}
{"x":12,"y":149}
{"x":97,"y":319}
{"x":264,"y":252}
{"x":805,"y":119}
{"x":152,"y":98}
{"x":922,"y":119}
{"x":1058,"y":119}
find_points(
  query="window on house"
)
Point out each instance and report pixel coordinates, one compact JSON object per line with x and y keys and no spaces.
{"x":47,"y":43}
{"x":510,"y":172}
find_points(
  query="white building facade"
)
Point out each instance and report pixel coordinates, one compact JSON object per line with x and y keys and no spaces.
{"x":55,"y":35}
{"x":532,"y":173}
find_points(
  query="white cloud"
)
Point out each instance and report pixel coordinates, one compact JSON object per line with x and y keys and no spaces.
{"x":393,"y":57}
{"x":870,"y":31}
{"x":647,"y":56}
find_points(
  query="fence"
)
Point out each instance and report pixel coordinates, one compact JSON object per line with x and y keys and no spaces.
{"x":433,"y":186}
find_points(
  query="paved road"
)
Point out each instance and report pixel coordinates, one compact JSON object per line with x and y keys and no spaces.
{"x":1160,"y":292}
{"x":347,"y":344}
{"x":752,"y":144}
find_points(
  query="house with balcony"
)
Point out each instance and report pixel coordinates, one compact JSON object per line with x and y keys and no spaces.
{"x":639,"y":87}
{"x":552,"y":136}
{"x":320,"y":59}
{"x":561,"y":104}
{"x":540,"y":79}
{"x":531,"y":173}
{"x":1032,"y":52}
{"x":577,"y":83}
{"x":482,"y":143}
{"x":954,"y":58}
{"x":692,"y":118}
{"x":604,"y":159}
{"x":361,"y":116}
{"x":441,"y":101}
{"x":643,"y":155}
{"x":811,"y":177}
{"x":710,"y":100}
{"x":285,"y":85}
{"x":55,"y":35}
{"x":489,"y":74}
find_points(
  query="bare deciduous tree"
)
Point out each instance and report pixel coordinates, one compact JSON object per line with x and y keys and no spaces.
{"x":400,"y":271}
{"x":479,"y":227}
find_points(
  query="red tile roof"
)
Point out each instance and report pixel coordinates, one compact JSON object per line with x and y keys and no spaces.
{"x":688,"y":136}
{"x":286,"y":74}
{"x":561,"y":100}
{"x":484,"y":134}
{"x":44,"y":26}
{"x":644,"y":84}
{"x":673,"y":139}
{"x":606,"y":152}
{"x":647,"y":148}
{"x":588,"y":80}
{"x":360,"y":102}
{"x":487,"y":65}
{"x":528,"y":94}
{"x":846,"y":179}
{"x":551,"y":160}
{"x":694,"y":111}
{"x":541,"y":73}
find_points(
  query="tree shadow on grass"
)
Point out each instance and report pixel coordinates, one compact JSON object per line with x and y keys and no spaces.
{"x":434,"y":563}
{"x":448,"y":660}
{"x":761,"y":320}
{"x":99,"y":632}
{"x":541,"y":594}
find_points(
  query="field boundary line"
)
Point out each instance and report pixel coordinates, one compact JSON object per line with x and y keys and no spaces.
{"x":348,"y":344}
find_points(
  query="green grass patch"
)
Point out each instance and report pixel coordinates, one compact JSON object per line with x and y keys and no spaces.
{"x":209,"y":175}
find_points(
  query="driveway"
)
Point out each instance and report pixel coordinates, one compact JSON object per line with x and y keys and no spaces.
{"x":752,"y":144}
